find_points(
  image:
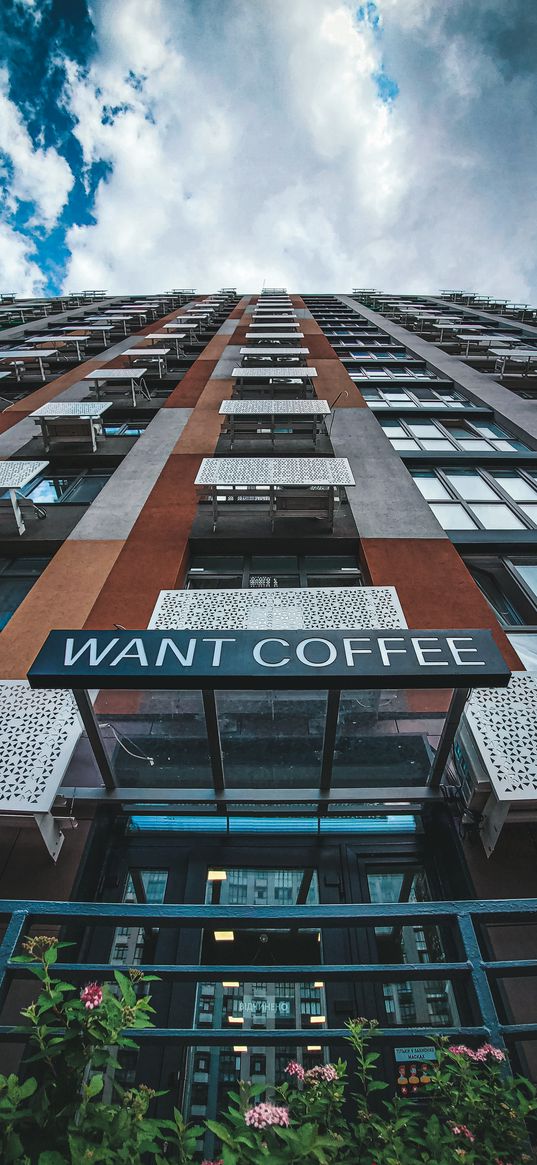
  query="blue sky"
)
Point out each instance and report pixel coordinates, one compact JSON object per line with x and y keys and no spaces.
{"x":320,"y":144}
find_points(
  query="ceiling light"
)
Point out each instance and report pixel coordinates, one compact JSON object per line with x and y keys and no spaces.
{"x":224,"y":936}
{"x":317,"y":1018}
{"x":216,"y":876}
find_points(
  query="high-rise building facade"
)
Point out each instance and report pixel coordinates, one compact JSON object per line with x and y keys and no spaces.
{"x":268,"y":598}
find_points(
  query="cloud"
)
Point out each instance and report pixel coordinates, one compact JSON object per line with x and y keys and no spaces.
{"x":36,"y":175}
{"x":319,"y":144}
{"x":18,"y":270}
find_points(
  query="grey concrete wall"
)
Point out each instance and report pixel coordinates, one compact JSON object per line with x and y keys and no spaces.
{"x":482,"y":388}
{"x":224,"y":367}
{"x":385,"y":502}
{"x":114,"y":512}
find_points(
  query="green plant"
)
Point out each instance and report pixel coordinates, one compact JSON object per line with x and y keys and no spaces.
{"x":59,"y":1116}
{"x":72,"y":1111}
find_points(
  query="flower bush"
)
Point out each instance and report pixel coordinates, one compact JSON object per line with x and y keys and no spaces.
{"x":71,"y":1112}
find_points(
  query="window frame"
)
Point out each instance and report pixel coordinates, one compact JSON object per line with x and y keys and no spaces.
{"x":503,"y":496}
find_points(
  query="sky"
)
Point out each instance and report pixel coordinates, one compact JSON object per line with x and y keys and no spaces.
{"x":321,"y":145}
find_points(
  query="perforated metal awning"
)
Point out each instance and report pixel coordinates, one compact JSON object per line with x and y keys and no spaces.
{"x":282,"y":609}
{"x":292,"y":471}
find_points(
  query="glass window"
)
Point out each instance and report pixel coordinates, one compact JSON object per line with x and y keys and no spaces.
{"x":453,"y":517}
{"x":527,"y":571}
{"x":491,"y":582}
{"x":430,"y":486}
{"x":87,"y":488}
{"x":497,"y":517}
{"x":437,"y":446}
{"x":405,"y":445}
{"x":516,"y":486}
{"x":530,"y":511}
{"x":17,"y":577}
{"x":422,"y":429}
{"x":471,"y":486}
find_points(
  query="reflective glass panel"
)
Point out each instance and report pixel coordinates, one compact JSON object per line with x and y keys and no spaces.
{"x":497,"y":517}
{"x":430,"y":486}
{"x":516,"y":486}
{"x":453,"y":517}
{"x":471,"y":486}
{"x":528,"y":573}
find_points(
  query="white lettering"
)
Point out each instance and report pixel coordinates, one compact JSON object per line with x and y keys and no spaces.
{"x":94,"y":659}
{"x":385,"y":652}
{"x":456,"y":651}
{"x":217,"y":653}
{"x":301,"y":653}
{"x":134,"y":650}
{"x":420,"y":651}
{"x":264,"y":662}
{"x":184,"y":660}
{"x":351,"y":651}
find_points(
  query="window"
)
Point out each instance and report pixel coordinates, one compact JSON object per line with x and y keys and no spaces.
{"x":503,"y":582}
{"x":268,"y":572}
{"x":415,"y":397}
{"x":17,"y":577}
{"x":470,"y":499}
{"x":72,"y":487}
{"x":439,"y":436}
{"x":125,"y":429}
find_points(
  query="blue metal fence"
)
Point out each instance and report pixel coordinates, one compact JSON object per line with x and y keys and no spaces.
{"x":477,"y":972}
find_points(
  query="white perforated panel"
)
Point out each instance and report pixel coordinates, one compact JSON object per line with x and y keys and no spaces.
{"x":283,"y":609}
{"x":72,"y":408}
{"x":38,"y":732}
{"x":267,"y":372}
{"x":274,"y":471}
{"x":263,"y":408}
{"x":503,"y":722}
{"x":15,"y":474}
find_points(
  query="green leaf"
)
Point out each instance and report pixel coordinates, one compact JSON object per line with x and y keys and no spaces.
{"x":51,"y":1157}
{"x":126,"y":988}
{"x":51,"y":956}
{"x":94,"y":1085}
{"x":219,"y":1131}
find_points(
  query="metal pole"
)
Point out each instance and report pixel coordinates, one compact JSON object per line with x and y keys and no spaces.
{"x":87,"y":715}
{"x":451,"y":723}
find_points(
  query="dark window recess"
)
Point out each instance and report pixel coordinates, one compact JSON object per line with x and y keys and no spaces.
{"x":71,"y":487}
{"x":268,"y":572}
{"x":17,"y":577}
{"x":509,"y":586}
{"x":125,"y":428}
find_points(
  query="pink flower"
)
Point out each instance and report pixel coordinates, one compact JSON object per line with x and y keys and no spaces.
{"x":462,"y":1131}
{"x":261,"y":1116}
{"x":488,"y":1050}
{"x":325,"y":1072}
{"x":462,"y":1050}
{"x":481,"y":1055}
{"x":295,"y":1069}
{"x":220,"y":1161}
{"x":91,"y":996}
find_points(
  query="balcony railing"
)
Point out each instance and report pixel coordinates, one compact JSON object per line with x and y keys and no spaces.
{"x":477,"y":974}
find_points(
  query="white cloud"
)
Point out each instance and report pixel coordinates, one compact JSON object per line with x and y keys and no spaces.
{"x":252,"y":143}
{"x":38,"y":175}
{"x":18,"y":270}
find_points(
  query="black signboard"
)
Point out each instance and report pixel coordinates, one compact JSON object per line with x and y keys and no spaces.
{"x":269,"y":659}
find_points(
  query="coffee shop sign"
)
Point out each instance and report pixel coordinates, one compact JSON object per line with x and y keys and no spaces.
{"x":195,"y":658}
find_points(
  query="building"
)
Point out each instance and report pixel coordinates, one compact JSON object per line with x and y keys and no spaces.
{"x":285,"y":733}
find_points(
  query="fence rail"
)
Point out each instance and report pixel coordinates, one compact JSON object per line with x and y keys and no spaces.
{"x":475,"y":970}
